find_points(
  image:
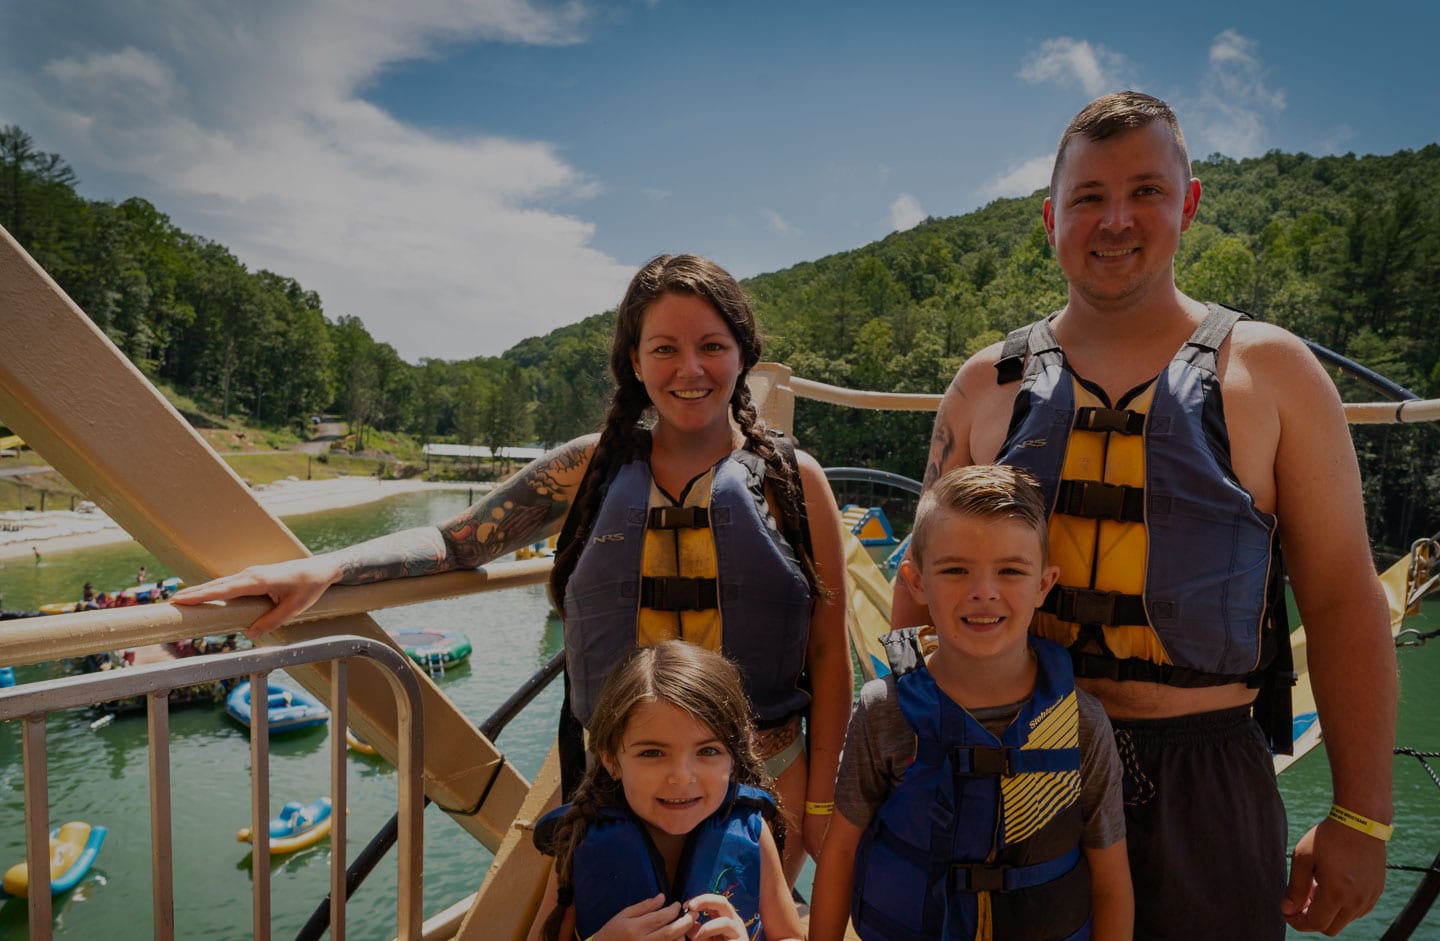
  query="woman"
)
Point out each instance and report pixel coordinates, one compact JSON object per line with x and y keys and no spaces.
{"x":683,"y":518}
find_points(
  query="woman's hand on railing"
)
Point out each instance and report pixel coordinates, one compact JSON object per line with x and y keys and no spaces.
{"x":291,"y":586}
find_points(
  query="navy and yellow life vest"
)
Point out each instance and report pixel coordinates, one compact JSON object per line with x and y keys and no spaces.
{"x":1168,"y":572}
{"x":617,"y":863}
{"x":714,"y":570}
{"x":981,"y":838}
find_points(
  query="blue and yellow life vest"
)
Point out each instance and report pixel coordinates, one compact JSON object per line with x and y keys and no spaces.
{"x":981,"y":838}
{"x":1168,"y":572}
{"x":617,"y":863}
{"x":713,"y":570}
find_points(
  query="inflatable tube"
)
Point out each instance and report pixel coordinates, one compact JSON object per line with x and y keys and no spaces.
{"x":61,"y":607}
{"x":73,"y":848}
{"x":298,"y":826}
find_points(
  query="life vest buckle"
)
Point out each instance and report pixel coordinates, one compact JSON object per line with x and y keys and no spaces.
{"x":1119,"y":421}
{"x":1092,"y":499}
{"x":1088,"y":606}
{"x":675,"y":593}
{"x":980,"y":760}
{"x":977,"y":877}
{"x":678,"y":517}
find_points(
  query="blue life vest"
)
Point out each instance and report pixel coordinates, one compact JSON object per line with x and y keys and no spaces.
{"x":617,"y":863}
{"x":981,"y":838}
{"x":1168,"y":572}
{"x":761,"y":594}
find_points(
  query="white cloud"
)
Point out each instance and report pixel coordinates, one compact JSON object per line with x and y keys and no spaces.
{"x":1339,"y":141}
{"x":1237,"y":104}
{"x":1067,"y":62}
{"x":905,"y":213}
{"x":1020,"y":179}
{"x":776,"y":223}
{"x":247,"y":126}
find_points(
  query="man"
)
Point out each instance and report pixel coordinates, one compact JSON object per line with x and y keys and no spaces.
{"x":1169,"y":514}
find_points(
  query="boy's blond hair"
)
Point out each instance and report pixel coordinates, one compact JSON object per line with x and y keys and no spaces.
{"x":987,"y":491}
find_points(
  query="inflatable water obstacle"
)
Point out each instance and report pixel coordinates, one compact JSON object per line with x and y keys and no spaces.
{"x":869,"y":524}
{"x":432,"y":648}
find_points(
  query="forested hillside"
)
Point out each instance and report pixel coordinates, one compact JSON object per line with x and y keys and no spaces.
{"x":1342,"y":250}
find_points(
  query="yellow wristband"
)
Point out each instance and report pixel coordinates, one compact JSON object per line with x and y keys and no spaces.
{"x":1349,"y":818}
{"x":820,"y":808}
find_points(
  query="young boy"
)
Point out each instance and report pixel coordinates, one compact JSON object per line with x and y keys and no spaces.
{"x":979,"y":790}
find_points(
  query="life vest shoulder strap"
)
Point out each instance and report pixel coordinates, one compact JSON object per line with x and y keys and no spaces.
{"x":1216,"y":326}
{"x":1033,"y":338}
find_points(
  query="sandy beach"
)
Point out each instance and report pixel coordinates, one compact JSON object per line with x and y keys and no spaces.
{"x":62,"y":530}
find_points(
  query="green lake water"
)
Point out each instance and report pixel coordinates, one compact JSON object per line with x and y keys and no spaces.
{"x":101,"y":775}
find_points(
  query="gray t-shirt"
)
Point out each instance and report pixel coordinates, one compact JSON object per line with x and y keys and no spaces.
{"x":880,"y":745}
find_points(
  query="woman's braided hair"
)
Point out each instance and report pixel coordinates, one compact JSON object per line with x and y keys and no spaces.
{"x":699,"y":681}
{"x":623,"y":439}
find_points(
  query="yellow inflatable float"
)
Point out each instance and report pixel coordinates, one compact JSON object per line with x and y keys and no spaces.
{"x":298,"y":826}
{"x":73,"y":848}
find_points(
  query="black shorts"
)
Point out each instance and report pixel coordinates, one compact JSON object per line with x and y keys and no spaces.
{"x":1205,"y":827}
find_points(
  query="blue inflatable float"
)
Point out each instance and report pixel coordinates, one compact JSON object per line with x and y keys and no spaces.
{"x":287,"y":709}
{"x":298,"y":826}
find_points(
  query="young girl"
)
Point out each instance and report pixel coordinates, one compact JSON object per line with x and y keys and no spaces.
{"x":669,"y":835}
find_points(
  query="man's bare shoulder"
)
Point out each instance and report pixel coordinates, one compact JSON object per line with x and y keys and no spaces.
{"x":975,"y":380}
{"x":1273,"y":358}
{"x":1254,"y":338}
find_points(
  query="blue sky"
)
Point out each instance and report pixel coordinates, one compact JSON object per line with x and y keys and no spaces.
{"x":462,"y":174}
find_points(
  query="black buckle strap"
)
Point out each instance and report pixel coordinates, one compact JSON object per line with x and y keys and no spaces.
{"x":674,"y":593}
{"x":678,"y":517}
{"x":1093,"y":499}
{"x":1132,"y":669}
{"x":971,"y":761}
{"x":1120,"y":421}
{"x":1087,"y":606}
{"x":977,"y":877}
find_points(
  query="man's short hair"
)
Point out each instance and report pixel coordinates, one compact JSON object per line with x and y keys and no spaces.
{"x":1118,"y":113}
{"x":987,"y":491}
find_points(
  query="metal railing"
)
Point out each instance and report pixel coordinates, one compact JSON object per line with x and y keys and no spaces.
{"x":31,"y":703}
